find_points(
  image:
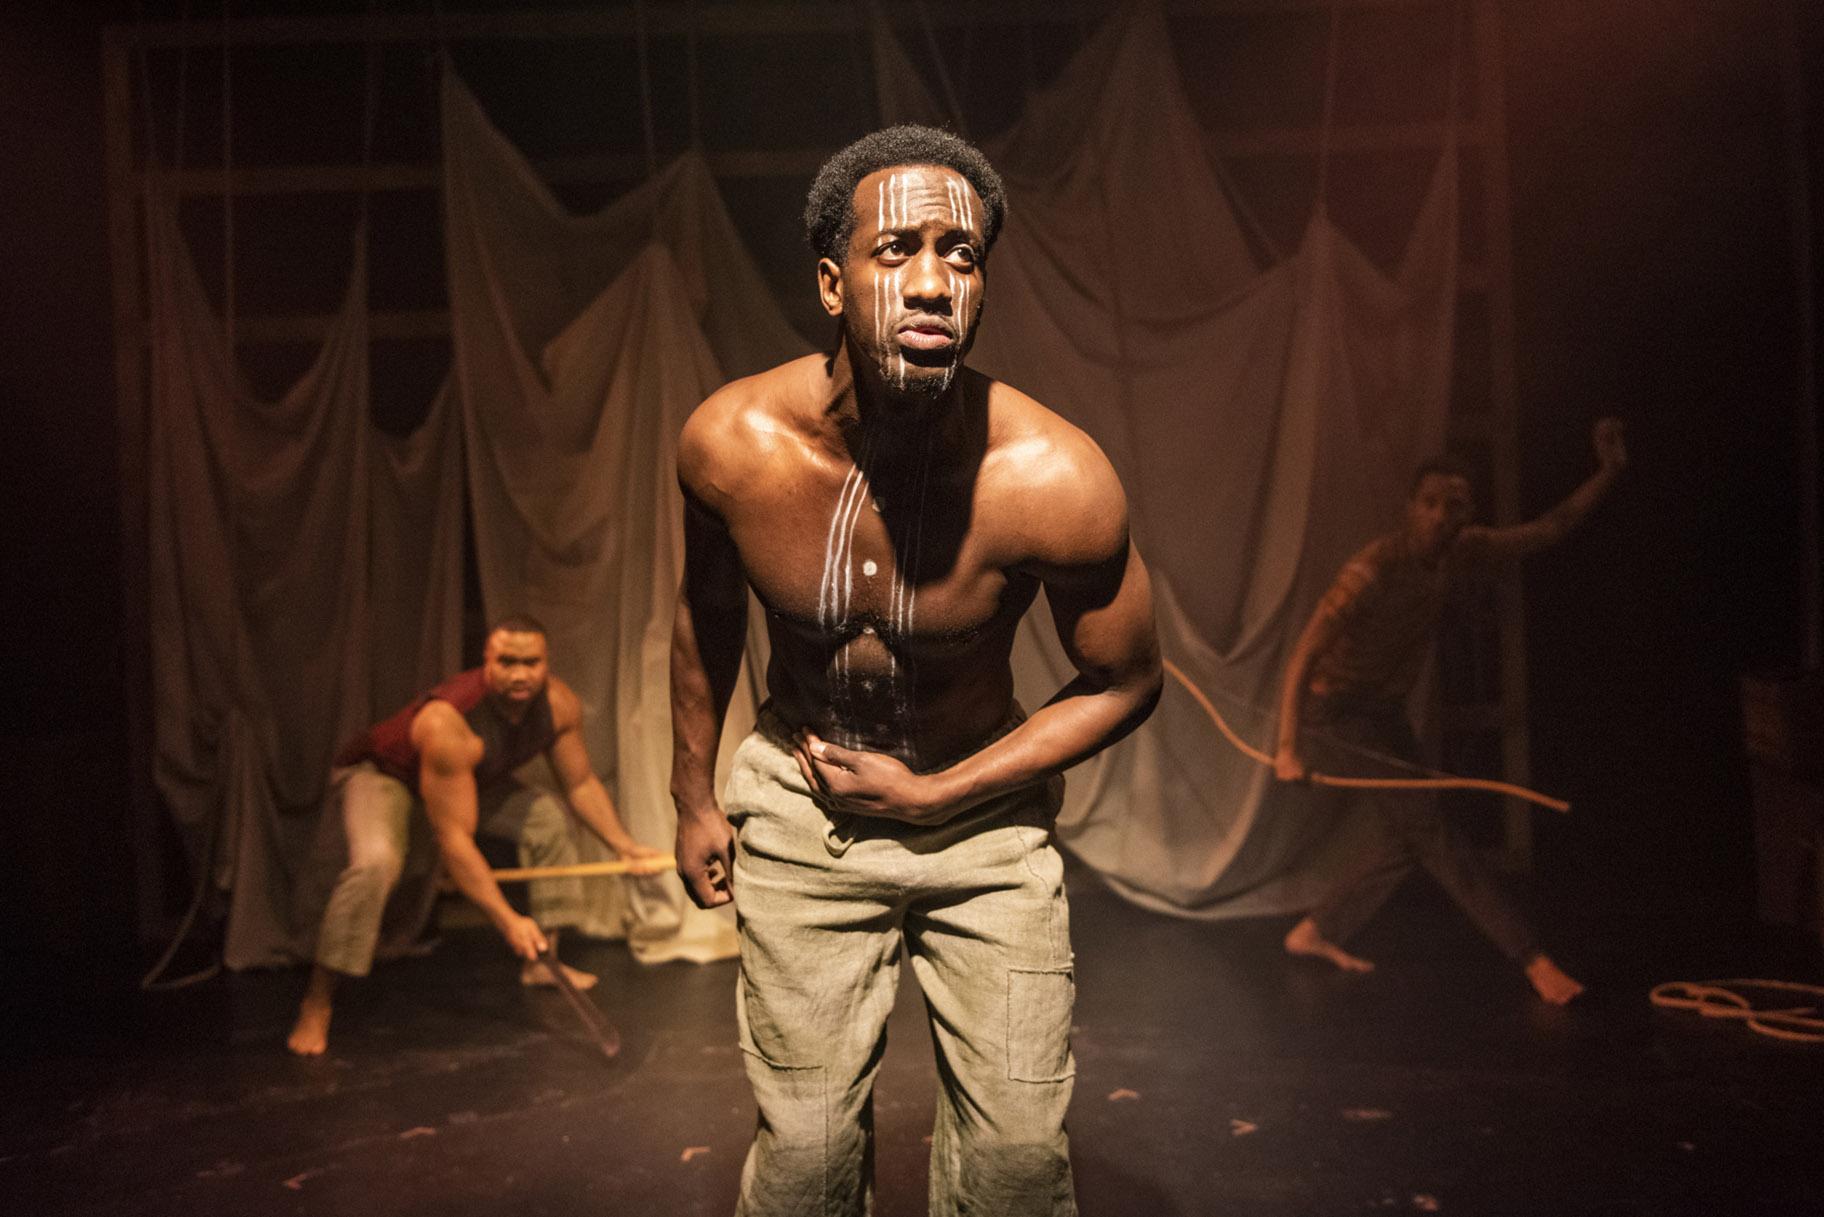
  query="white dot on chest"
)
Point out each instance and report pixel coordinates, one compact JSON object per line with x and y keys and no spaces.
{"x":870,"y":567}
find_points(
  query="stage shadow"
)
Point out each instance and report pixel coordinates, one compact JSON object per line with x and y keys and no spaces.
{"x":1107,"y":1189}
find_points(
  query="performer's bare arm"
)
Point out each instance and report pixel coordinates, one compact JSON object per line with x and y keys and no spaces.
{"x":706,"y":641}
{"x":1101,"y":600}
{"x":1519,"y":540}
{"x":1319,"y":634}
{"x":584,"y":791}
{"x":448,"y":753}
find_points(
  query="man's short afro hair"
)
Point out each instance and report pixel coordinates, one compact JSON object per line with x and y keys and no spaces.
{"x":1445,"y":464}
{"x":829,"y":210}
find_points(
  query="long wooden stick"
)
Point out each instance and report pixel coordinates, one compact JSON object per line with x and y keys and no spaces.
{"x":586,"y":870}
{"x":601,"y":1032}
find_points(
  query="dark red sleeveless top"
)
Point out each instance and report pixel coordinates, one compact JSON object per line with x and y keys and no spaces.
{"x":505,"y":746}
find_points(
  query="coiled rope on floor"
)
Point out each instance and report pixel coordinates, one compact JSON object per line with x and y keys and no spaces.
{"x":1719,"y":999}
{"x":1432,"y":781}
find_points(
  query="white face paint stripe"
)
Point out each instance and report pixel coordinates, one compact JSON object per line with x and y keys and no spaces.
{"x":895,"y":297}
{"x":880,"y":208}
{"x":880,"y":315}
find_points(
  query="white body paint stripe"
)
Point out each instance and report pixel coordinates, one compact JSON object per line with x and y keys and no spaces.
{"x":832,"y":547}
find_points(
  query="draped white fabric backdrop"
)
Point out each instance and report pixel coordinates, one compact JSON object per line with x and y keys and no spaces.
{"x":307,"y":570}
{"x":1263,"y":421}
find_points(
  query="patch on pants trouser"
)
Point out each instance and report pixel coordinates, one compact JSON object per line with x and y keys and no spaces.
{"x":1039,"y":1001}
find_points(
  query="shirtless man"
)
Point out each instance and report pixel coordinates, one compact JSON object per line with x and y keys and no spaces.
{"x":895,"y":513}
{"x":1348,"y":679}
{"x":453,"y":750}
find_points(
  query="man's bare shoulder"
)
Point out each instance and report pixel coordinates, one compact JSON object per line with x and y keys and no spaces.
{"x":740,"y":427}
{"x":1381,"y":552}
{"x":1362,"y":574}
{"x":443,"y":736}
{"x":566,"y":706}
{"x":1054,"y":480}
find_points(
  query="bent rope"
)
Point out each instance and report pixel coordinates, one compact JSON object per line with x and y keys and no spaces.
{"x":588,"y":870}
{"x":1719,"y":999}
{"x":1435,"y":782}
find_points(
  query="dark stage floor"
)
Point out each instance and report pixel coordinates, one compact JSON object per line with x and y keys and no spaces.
{"x":1215,"y":1077}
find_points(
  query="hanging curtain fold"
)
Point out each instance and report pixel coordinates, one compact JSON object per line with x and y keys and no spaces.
{"x":581,"y":345}
{"x":1261,"y":419}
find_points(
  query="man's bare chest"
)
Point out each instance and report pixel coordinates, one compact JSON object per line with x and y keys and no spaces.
{"x":911,"y":560}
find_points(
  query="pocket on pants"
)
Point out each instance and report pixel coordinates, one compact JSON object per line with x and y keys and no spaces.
{"x":1039,"y":1002}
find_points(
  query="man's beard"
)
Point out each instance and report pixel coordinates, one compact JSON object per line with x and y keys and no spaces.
{"x":918,"y":380}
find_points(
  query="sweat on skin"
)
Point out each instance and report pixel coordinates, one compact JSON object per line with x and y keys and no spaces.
{"x":896,"y":513}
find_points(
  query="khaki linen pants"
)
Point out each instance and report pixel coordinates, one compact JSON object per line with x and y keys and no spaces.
{"x":825,"y":904}
{"x":377,"y":818}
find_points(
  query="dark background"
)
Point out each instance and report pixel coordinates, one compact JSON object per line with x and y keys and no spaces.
{"x":1654,"y":279}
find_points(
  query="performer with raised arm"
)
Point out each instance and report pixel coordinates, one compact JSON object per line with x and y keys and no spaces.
{"x":896,"y":513}
{"x":1351,"y":672}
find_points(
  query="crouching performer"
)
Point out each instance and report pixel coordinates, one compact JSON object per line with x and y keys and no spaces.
{"x":452,"y":751}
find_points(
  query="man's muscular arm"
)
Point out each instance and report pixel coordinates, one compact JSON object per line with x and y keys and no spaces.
{"x":447,"y":752}
{"x":1101,"y":600}
{"x":584,"y":791}
{"x":706,"y":640}
{"x":1313,"y":641}
{"x":1104,"y":615}
{"x":1347,"y":596}
{"x":1520,"y":540}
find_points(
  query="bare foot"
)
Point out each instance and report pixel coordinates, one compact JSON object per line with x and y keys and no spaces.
{"x":533,"y":973}
{"x":310,"y":1036}
{"x":1304,"y":939}
{"x":1550,"y":981}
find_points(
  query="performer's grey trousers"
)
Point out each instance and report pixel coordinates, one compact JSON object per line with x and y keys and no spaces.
{"x":377,"y":815}
{"x":825,"y":903}
{"x":1413,"y":832}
